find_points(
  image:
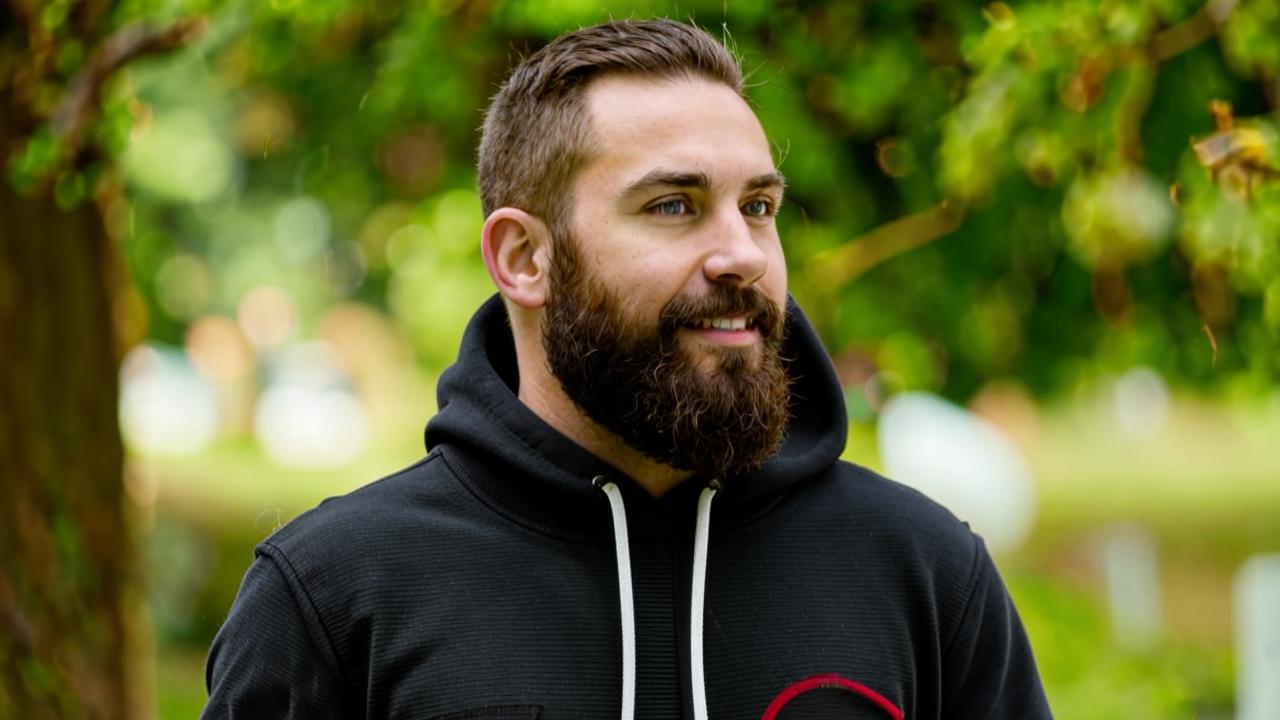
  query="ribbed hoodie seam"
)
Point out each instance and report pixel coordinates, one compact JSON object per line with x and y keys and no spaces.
{"x":323,"y":639}
{"x":974,"y":573}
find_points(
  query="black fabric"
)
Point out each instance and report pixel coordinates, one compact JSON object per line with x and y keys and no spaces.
{"x":497,"y":712}
{"x":484,"y":576}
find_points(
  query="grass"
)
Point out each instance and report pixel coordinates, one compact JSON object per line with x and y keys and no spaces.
{"x":179,"y":683}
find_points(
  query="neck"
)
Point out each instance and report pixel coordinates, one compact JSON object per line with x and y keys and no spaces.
{"x":542,"y":393}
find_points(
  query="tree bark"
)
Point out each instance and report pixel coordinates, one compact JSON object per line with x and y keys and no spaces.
{"x":68,"y":563}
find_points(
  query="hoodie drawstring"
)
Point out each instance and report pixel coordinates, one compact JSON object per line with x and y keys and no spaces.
{"x":701,"y":538}
{"x":626,"y":599}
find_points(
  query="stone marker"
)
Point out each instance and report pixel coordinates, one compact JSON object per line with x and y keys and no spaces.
{"x":1133,"y":586}
{"x":1257,"y":595}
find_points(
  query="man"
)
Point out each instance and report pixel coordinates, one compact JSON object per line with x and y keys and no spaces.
{"x":633,"y":503}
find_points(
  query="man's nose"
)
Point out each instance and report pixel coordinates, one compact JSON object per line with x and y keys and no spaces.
{"x":736,"y":258}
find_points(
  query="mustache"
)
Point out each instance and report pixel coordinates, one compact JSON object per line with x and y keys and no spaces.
{"x":761,"y":312}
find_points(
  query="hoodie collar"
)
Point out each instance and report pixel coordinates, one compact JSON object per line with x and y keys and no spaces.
{"x":531,"y":468}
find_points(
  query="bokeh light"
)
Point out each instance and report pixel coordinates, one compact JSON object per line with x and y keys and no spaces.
{"x":268,"y":317}
{"x":307,"y":416}
{"x":166,"y":408}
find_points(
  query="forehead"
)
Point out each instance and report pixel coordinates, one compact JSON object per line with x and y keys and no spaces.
{"x":680,"y":124}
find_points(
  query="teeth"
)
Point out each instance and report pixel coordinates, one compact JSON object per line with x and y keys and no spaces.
{"x":723,"y":323}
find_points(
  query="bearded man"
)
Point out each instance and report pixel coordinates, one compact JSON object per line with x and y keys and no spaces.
{"x":633,"y":503}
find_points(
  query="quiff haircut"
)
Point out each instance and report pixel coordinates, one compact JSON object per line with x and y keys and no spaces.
{"x":537,"y":134}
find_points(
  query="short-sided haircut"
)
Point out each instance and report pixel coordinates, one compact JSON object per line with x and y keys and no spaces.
{"x":537,"y":134}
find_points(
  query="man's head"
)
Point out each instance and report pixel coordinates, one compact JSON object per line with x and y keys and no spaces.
{"x":635,"y":242}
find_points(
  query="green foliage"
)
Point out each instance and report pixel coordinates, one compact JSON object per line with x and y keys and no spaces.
{"x":1066,"y":133}
{"x":41,"y":154}
{"x":1060,"y":131}
{"x":1249,"y":38}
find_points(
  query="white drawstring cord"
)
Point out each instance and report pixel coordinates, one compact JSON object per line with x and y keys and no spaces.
{"x":701,"y":537}
{"x":697,"y":600}
{"x":623,"y":548}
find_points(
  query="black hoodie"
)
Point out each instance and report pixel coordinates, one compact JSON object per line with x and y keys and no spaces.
{"x":483,"y":582}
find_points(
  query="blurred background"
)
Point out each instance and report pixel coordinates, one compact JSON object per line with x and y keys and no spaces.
{"x":240,"y":241}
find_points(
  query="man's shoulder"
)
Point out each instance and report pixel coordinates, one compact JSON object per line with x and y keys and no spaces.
{"x":886,"y":498}
{"x":899,"y":517}
{"x":364,"y":519}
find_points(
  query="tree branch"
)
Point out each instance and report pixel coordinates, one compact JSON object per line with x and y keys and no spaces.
{"x":80,"y":100}
{"x":1191,"y":32}
{"x":840,"y":265}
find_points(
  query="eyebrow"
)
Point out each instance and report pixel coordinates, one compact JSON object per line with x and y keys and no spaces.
{"x":696,"y":180}
{"x":667,"y":178}
{"x":768,"y":180}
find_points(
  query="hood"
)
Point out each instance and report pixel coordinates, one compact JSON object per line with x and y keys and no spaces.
{"x":521,"y":463}
{"x":480,"y":415}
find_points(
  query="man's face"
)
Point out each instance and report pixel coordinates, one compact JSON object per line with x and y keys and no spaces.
{"x":665,"y":318}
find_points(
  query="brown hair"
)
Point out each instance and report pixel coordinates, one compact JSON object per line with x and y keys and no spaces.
{"x":536,"y":134}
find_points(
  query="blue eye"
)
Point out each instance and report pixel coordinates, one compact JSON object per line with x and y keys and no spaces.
{"x":758,"y":208}
{"x":671,"y":207}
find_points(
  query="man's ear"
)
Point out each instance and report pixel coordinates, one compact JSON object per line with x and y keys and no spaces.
{"x":516,"y":248}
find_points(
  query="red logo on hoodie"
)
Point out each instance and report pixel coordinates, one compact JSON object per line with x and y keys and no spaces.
{"x":819,"y":682}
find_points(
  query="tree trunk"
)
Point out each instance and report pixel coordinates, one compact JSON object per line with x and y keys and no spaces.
{"x":69,"y":570}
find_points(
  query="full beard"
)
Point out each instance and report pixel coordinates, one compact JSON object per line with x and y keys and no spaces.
{"x":719,"y":417}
